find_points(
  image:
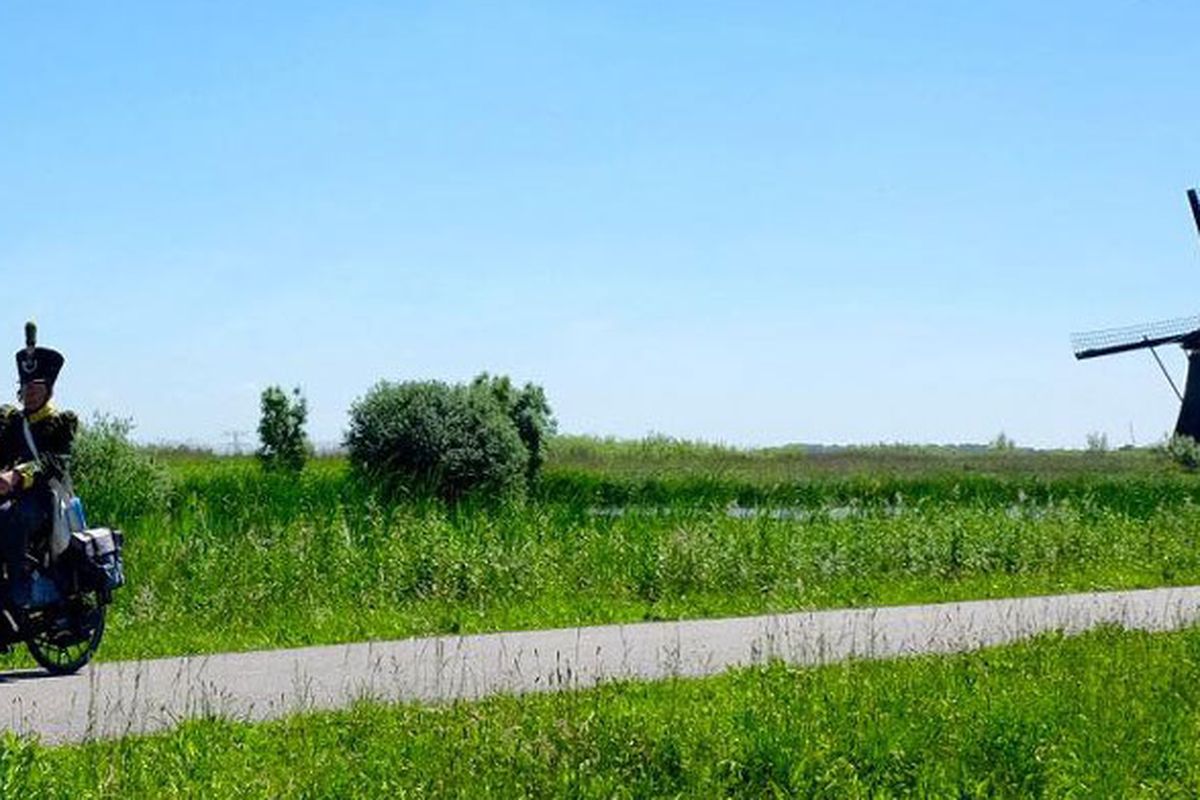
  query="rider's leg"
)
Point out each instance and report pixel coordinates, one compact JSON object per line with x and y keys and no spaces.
{"x":19,"y":518}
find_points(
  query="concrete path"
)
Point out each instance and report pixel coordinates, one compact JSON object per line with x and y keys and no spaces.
{"x":120,"y":698}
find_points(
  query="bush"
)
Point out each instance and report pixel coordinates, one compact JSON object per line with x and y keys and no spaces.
{"x":433,"y":439}
{"x":1183,"y":450}
{"x":117,"y":480}
{"x":281,"y":430}
{"x":530,"y":413}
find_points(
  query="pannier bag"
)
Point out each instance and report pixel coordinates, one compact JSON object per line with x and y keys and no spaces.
{"x":97,"y":554}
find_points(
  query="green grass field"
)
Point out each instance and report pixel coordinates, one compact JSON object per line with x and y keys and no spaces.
{"x":1108,"y":714}
{"x":582,"y":469}
{"x":232,"y":558}
{"x":238,"y":559}
{"x":657,"y":455}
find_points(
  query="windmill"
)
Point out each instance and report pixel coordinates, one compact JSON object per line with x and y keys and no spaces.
{"x":1184,"y":332}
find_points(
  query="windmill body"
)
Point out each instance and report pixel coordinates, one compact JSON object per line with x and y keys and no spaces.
{"x":1184,"y":331}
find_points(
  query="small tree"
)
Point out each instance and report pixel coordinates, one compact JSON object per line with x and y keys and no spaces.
{"x":1003,"y":443}
{"x":281,"y":430}
{"x":1097,"y":442}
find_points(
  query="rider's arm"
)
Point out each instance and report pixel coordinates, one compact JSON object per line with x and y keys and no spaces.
{"x":10,"y":418}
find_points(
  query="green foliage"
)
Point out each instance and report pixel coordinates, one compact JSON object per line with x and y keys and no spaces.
{"x":433,"y":439}
{"x":772,"y":467}
{"x":281,"y":430}
{"x":529,"y":411}
{"x":1003,"y":443}
{"x":247,"y":559}
{"x":1097,"y":442}
{"x":118,"y":481}
{"x":1182,"y":450}
{"x":242,"y":558}
{"x":661,"y":471}
{"x":1106,"y":714}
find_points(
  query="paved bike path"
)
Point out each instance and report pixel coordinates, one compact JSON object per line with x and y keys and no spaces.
{"x":119,"y":698}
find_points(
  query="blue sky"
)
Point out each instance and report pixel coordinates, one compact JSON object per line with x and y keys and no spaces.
{"x":748,"y":222}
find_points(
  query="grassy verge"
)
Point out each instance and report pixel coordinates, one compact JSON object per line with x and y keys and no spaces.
{"x":1108,"y":714}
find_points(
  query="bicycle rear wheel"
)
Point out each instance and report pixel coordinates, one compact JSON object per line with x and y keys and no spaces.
{"x":67,"y":643}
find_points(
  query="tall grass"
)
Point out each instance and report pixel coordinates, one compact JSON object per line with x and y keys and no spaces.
{"x":656,"y":455}
{"x":1138,"y":494}
{"x":662,"y":470}
{"x":1108,"y":714}
{"x":222,"y":555}
{"x":1137,"y":483}
{"x":241,"y":559}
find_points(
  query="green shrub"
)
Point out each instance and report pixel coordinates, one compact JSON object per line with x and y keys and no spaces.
{"x":281,"y":430}
{"x":117,"y":480}
{"x":432,"y":439}
{"x":1183,"y":450}
{"x":529,"y":411}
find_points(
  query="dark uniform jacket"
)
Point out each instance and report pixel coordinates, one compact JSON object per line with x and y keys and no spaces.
{"x":53,"y":433}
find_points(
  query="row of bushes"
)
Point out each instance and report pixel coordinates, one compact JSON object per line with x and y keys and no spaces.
{"x":485,"y":440}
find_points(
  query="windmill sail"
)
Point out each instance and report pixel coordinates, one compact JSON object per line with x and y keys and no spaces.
{"x":1184,"y":331}
{"x":1194,"y":202}
{"x":1134,"y":337}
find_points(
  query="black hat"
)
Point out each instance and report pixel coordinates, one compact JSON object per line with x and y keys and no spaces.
{"x":35,"y":363}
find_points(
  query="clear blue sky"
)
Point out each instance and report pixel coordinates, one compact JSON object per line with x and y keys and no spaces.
{"x":751,"y":222}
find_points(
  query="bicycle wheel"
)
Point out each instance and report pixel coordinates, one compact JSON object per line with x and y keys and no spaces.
{"x":62,"y":649}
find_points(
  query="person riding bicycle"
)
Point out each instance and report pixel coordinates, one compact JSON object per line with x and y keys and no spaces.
{"x":35,"y":449}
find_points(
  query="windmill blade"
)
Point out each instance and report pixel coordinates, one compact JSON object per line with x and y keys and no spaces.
{"x":1135,"y":337}
{"x":1194,"y":202}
